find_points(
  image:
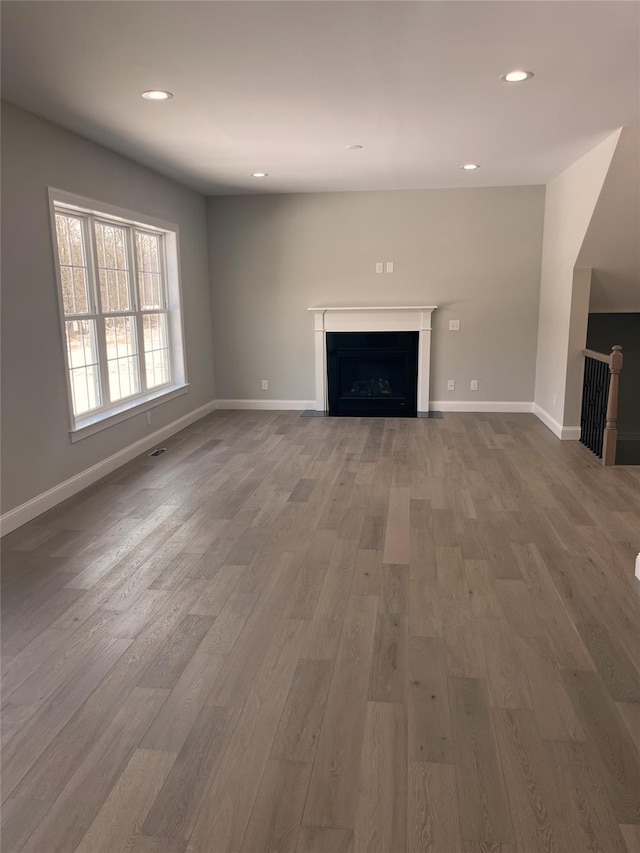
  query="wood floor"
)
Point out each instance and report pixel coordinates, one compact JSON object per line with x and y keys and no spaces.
{"x":329,"y":635}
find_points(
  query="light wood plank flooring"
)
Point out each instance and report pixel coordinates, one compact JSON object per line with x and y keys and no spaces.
{"x":329,"y":635}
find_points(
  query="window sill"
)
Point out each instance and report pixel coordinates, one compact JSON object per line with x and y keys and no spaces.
{"x":90,"y":426}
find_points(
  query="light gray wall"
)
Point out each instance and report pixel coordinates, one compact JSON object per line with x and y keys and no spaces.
{"x":473,"y":252}
{"x":569,"y":203}
{"x":612,"y":243}
{"x":37,"y":453}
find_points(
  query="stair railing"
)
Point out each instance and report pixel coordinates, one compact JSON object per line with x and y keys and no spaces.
{"x":599,"y":416}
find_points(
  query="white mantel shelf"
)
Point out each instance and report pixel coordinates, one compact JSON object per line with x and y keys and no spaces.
{"x":373,"y":318}
{"x":374,"y":308}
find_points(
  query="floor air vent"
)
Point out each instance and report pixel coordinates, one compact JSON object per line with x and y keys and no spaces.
{"x":158,"y":451}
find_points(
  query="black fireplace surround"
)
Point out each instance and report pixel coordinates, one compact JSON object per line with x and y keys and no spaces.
{"x":373,"y":374}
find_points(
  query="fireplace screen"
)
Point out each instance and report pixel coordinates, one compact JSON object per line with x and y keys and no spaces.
{"x":366,"y":376}
{"x":372,"y":373}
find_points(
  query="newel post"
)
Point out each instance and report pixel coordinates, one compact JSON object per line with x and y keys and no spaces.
{"x":611,"y":427}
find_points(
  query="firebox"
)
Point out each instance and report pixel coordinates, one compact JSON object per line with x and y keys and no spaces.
{"x":373,"y":374}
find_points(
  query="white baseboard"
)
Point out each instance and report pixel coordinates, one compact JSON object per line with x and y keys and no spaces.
{"x":570,"y":433}
{"x":41,"y":503}
{"x":547,"y":420}
{"x":479,"y":406}
{"x":562,"y":432}
{"x":434,"y":405}
{"x":270,"y":405}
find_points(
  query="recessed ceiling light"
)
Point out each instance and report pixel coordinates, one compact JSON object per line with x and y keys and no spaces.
{"x":355,"y":147}
{"x":471,"y":166}
{"x":517,"y":76}
{"x":260,"y":174}
{"x":157,"y":95}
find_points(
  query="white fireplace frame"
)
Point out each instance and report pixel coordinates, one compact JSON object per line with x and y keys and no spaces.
{"x":407,"y":318}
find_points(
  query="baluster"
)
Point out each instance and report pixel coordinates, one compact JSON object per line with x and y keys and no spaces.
{"x":584,"y":410}
{"x":598,"y":411}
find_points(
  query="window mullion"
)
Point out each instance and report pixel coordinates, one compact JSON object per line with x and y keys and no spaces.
{"x":94,"y":278}
{"x":135,"y":296}
{"x":86,"y":316}
{"x":165,"y":296}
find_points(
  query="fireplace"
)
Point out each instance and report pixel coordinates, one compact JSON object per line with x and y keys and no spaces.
{"x":357,"y":385}
{"x":372,"y":374}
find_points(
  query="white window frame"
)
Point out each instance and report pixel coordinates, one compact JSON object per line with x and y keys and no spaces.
{"x":91,"y":210}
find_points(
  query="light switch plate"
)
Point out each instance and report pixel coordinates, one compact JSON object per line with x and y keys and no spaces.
{"x":379,"y":266}
{"x":454,"y":325}
{"x":451,"y":385}
{"x":389,"y":266}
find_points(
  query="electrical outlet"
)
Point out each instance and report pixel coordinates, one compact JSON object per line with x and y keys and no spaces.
{"x":451,"y":385}
{"x":389,"y":266}
{"x":474,"y":384}
{"x":265,"y":385}
{"x":378,"y":266}
{"x":454,"y":325}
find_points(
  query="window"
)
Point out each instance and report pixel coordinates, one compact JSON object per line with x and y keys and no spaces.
{"x":120,"y":304}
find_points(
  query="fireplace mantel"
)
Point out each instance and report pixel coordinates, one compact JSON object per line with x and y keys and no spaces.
{"x":382,"y":318}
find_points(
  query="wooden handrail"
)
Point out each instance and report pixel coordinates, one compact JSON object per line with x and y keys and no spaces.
{"x":599,"y":356}
{"x":610,"y":437}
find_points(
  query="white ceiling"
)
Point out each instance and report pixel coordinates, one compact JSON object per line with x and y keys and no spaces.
{"x":283,"y":87}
